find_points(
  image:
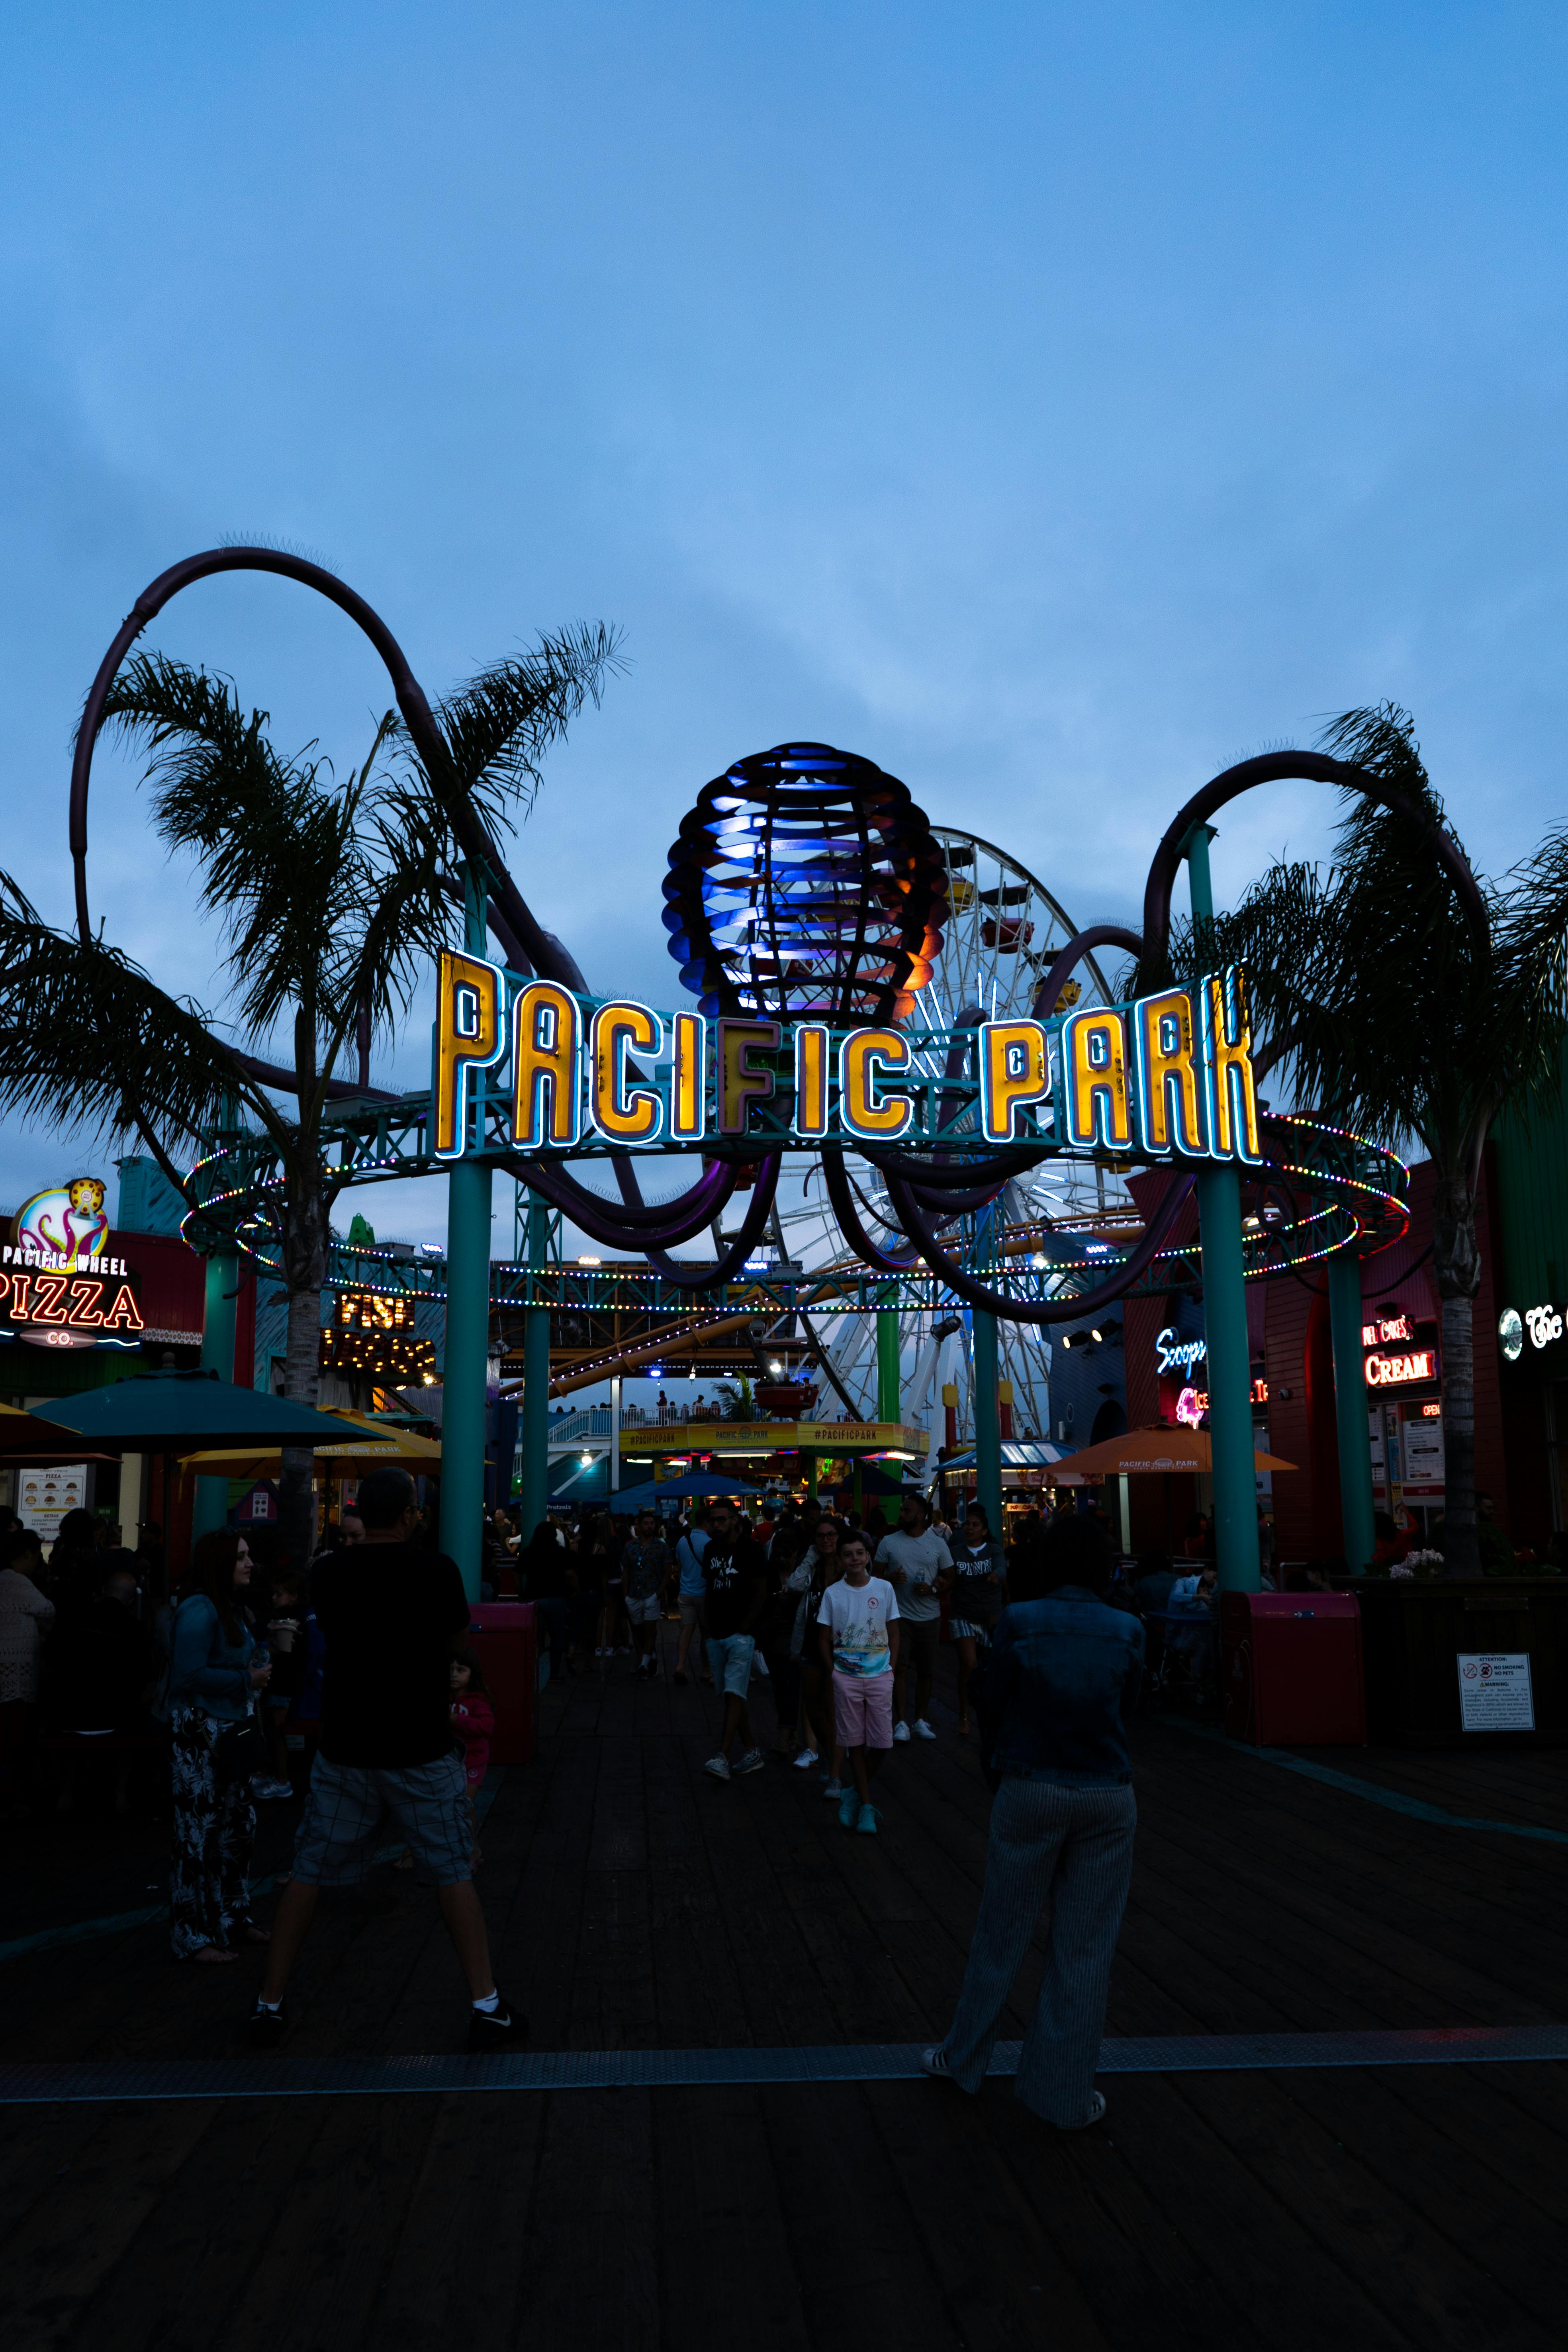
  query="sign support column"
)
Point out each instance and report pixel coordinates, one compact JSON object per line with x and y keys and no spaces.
{"x":1225,"y":1326}
{"x":534,"y":1487}
{"x":888,"y":1406}
{"x":987,"y":1422}
{"x":467,"y":1319}
{"x":210,"y":1507}
{"x":1351,"y":1410}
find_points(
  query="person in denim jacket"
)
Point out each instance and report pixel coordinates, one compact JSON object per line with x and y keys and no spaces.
{"x":1061,"y":1686}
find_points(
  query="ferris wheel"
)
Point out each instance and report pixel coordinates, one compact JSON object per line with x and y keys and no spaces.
{"x":1004,"y":930}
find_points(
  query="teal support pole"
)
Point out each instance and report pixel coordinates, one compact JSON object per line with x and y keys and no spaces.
{"x":1225,"y":1327}
{"x":987,"y":1422}
{"x":210,"y":1509}
{"x":889,"y":1405}
{"x":1351,"y":1410}
{"x":534,"y":1426}
{"x":468,"y":1324}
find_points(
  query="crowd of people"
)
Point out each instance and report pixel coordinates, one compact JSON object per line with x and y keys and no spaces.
{"x":837,"y":1614}
{"x":78,"y":1648}
{"x":817,"y":1628}
{"x":838,"y":1620}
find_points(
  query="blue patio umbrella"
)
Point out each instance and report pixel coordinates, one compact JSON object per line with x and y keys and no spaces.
{"x":695,"y":1483}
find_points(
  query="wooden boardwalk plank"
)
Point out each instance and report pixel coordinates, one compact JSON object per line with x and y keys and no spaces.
{"x":635,"y":1903}
{"x":68,"y":2243}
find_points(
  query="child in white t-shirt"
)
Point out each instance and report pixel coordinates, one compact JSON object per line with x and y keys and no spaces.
{"x":857,"y":1623}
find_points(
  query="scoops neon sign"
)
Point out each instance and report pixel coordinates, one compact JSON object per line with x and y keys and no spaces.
{"x":1172,"y":1354}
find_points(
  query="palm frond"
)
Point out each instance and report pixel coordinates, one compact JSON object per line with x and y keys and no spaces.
{"x":498,"y":727}
{"x":88,"y":1039}
{"x":1530,"y":982}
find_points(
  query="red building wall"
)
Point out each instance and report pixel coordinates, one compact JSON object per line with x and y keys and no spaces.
{"x":1511,"y":1458}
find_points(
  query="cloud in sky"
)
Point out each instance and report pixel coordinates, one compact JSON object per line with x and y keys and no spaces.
{"x":1052,"y":407}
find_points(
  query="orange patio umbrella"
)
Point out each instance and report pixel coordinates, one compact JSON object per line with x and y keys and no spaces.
{"x":1150,"y":1449}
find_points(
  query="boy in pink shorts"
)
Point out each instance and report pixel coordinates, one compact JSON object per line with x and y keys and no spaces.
{"x":857,"y":1626}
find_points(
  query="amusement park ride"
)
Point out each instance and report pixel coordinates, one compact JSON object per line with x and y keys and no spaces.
{"x":900,"y":1066}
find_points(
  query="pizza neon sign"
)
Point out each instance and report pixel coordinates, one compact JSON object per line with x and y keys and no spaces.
{"x":82,"y":1302}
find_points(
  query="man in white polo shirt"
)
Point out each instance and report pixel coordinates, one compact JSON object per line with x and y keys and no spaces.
{"x":915,"y":1563}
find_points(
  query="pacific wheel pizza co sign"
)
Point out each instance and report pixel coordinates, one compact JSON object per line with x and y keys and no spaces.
{"x":59,"y":1286}
{"x":1494,"y":1691}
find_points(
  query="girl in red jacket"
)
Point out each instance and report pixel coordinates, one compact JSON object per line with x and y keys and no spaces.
{"x":473,"y":1720}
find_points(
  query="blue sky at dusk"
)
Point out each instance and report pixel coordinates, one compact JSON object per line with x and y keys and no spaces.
{"x":1051,"y":404}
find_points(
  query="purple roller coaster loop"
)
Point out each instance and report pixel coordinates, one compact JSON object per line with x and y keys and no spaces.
{"x":1000,"y":1303}
{"x":1099,"y":934}
{"x":915,"y":1187}
{"x":841,"y":1194}
{"x":1286,"y":767}
{"x":516,"y":928}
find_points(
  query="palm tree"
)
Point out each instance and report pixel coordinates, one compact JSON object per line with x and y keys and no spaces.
{"x":330,"y":898}
{"x":1398,"y":1017}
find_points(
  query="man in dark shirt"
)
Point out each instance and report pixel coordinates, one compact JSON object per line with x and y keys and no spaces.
{"x":1061,"y":1687}
{"x":392,"y":1616}
{"x":735,"y":1575}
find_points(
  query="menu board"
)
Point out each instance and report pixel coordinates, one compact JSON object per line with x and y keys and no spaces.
{"x":1423,"y":1459}
{"x":44,"y":1497}
{"x":1494,"y":1691}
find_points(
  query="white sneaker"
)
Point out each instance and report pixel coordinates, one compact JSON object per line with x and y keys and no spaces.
{"x":832,"y":1789}
{"x":719,"y":1765}
{"x":901,"y":1733}
{"x":806,"y":1759}
{"x":753,"y":1760}
{"x":923,"y":1729}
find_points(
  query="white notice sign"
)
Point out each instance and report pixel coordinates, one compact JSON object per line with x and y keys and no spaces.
{"x":1494,"y":1691}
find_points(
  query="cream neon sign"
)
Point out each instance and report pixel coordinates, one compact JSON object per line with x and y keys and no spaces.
{"x":1168,"y":1076}
{"x":1400,"y":1371}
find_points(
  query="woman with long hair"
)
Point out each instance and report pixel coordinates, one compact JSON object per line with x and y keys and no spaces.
{"x":542,"y":1578}
{"x":214,"y":1677}
{"x":976,"y":1597}
{"x":779,"y":1635}
{"x":603,"y":1545}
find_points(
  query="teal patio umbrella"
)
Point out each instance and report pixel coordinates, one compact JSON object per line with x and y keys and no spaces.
{"x":179,"y":1413}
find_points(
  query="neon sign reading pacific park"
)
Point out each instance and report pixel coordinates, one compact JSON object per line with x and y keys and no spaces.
{"x":525,"y":1065}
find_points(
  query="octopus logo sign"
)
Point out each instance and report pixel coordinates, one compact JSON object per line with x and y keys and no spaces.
{"x":65,"y":1225}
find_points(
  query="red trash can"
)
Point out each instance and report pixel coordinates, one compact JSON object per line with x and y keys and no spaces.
{"x":1292,"y":1669}
{"x":503,"y":1637}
